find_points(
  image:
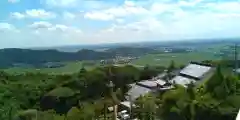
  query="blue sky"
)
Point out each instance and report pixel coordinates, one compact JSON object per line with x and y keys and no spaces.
{"x":30,"y":23}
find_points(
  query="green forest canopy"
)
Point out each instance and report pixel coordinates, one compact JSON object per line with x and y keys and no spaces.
{"x":86,"y":95}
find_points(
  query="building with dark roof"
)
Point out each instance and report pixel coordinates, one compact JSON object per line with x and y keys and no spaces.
{"x":145,"y":87}
{"x":136,"y":91}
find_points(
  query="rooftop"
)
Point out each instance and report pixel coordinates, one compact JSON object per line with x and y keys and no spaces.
{"x":127,"y":104}
{"x":160,"y":82}
{"x":148,"y":83}
{"x":195,"y":70}
{"x":137,"y":91}
{"x":182,"y":80}
{"x":152,"y":83}
{"x":166,"y":88}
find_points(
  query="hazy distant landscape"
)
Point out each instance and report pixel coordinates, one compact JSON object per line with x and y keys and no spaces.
{"x":70,"y":59}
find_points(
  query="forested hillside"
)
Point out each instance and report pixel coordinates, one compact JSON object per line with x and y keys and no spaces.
{"x":12,"y":57}
{"x":9,"y":57}
{"x":87,"y":94}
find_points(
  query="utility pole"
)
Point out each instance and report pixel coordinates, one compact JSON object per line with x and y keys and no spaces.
{"x":105,"y":110}
{"x":111,"y":86}
{"x":236,"y":57}
{"x":131,"y":106}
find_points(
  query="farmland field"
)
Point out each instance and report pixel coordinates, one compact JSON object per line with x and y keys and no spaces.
{"x":150,"y":59}
{"x":178,"y":58}
{"x":70,"y":67}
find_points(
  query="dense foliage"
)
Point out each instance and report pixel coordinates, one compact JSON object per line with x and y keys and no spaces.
{"x":11,"y":57}
{"x":217,"y":99}
{"x":62,"y":92}
{"x":87,"y":94}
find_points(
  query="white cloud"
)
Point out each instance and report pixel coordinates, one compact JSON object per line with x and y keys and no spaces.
{"x":142,"y":30}
{"x":7,"y":27}
{"x":130,"y":8}
{"x":120,"y":20}
{"x":61,"y":27}
{"x":160,"y":8}
{"x":145,"y":25}
{"x":129,"y":3}
{"x":61,"y":3}
{"x":230,"y":7}
{"x":127,"y":9}
{"x":68,"y":15}
{"x":65,"y":29}
{"x":46,"y":26}
{"x":134,"y":21}
{"x":98,"y":16}
{"x":41,"y":25}
{"x":34,"y":13}
{"x":190,"y":3}
{"x":180,"y":24}
{"x":17,"y":15}
{"x":78,"y":4}
{"x":40,"y":13}
{"x":229,"y":15}
{"x":13,"y":1}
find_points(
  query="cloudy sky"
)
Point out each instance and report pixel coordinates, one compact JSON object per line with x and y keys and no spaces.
{"x":29,"y":23}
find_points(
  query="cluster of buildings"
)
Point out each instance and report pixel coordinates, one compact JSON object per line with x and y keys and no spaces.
{"x":118,"y":60}
{"x":193,"y":73}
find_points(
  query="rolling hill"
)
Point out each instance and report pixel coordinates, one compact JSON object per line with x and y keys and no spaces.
{"x":13,"y":57}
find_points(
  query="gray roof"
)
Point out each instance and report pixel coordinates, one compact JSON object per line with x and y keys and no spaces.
{"x":137,"y":91}
{"x":160,"y":82}
{"x":182,"y":80}
{"x":152,"y":83}
{"x":127,"y":104}
{"x":237,"y":70}
{"x":167,"y":88}
{"x":195,"y":70}
{"x":148,"y":83}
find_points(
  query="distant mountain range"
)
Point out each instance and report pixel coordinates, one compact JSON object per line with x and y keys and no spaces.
{"x":150,"y":44}
{"x":12,"y":56}
{"x":37,"y":56}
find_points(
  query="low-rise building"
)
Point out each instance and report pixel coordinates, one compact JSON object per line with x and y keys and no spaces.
{"x":192,"y":73}
{"x":184,"y":81}
{"x":136,"y":91}
{"x":145,"y":87}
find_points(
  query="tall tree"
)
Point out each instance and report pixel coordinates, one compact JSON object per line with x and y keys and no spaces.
{"x":82,"y":71}
{"x":215,"y":80}
{"x":171,"y":67}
